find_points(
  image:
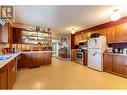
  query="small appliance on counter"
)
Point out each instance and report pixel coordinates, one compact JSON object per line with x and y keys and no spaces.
{"x":6,"y":50}
{"x":15,"y":50}
{"x":94,"y":35}
{"x":125,"y":51}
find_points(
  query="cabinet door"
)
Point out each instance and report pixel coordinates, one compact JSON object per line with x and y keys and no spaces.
{"x":108,"y":63}
{"x":125,"y":65}
{"x":103,"y":32}
{"x":35,"y":59}
{"x":3,"y":78}
{"x":11,"y":73}
{"x":18,"y":35}
{"x":111,"y":34}
{"x":0,"y":33}
{"x":26,"y":60}
{"x":85,"y":36}
{"x":121,"y":33}
{"x":80,"y":37}
{"x":118,"y":65}
{"x":4,"y":33}
{"x":73,"y":54}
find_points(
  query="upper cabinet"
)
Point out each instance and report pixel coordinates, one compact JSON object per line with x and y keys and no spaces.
{"x":80,"y":38}
{"x":6,"y":33}
{"x":103,"y":32}
{"x":111,"y":34}
{"x":85,"y":36}
{"x":77,"y":38}
{"x":17,"y":38}
{"x":114,"y":34}
{"x":121,"y":33}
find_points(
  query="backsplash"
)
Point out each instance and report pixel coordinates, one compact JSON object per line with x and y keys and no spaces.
{"x":3,"y":46}
{"x":118,"y":45}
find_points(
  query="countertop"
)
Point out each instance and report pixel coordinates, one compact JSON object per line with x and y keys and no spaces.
{"x":115,"y":54}
{"x":35,"y":51}
{"x":13,"y":56}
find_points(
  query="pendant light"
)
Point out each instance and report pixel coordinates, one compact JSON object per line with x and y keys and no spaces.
{"x":72,"y":31}
{"x":115,"y":15}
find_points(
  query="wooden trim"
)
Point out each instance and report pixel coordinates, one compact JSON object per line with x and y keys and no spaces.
{"x":72,"y":41}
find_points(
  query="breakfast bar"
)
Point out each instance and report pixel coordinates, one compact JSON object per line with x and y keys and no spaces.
{"x":34,"y":59}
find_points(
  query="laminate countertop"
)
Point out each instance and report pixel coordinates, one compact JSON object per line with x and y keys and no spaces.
{"x":118,"y":54}
{"x":12,"y":56}
{"x":36,"y":51}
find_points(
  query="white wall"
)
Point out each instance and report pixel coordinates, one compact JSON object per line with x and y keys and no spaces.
{"x":57,"y":46}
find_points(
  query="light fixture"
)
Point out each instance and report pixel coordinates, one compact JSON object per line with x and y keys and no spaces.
{"x":72,"y":31}
{"x":115,"y":15}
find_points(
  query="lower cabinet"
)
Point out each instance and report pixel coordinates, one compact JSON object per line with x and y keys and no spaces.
{"x":116,"y":64}
{"x":108,"y":63}
{"x":34,"y":59}
{"x":11,"y":73}
{"x":3,"y":78}
{"x":8,"y":75}
{"x":73,"y":52}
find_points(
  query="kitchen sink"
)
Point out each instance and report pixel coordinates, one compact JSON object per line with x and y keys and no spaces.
{"x":2,"y":57}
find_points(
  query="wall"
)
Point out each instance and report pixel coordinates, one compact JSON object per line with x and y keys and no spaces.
{"x":3,"y":46}
{"x":99,"y":27}
{"x":57,"y":46}
{"x":105,"y":25}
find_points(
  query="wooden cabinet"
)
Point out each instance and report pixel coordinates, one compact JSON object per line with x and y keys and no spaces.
{"x":11,"y":73}
{"x":111,"y":35}
{"x":26,"y":60}
{"x":108,"y":63}
{"x":6,"y":33}
{"x":73,"y":52}
{"x":85,"y":36}
{"x":116,"y":64}
{"x":17,"y":35}
{"x":3,"y":77}
{"x":121,"y":33}
{"x":103,"y":32}
{"x":76,"y":40}
{"x":80,"y":38}
{"x":34,"y":59}
{"x":85,"y":61}
{"x":8,"y":75}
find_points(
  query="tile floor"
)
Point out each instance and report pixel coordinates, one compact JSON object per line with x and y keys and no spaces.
{"x":67,"y":75}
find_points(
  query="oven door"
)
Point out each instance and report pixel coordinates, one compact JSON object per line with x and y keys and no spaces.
{"x":79,"y":56}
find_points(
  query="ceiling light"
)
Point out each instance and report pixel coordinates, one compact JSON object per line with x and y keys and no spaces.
{"x":72,"y":31}
{"x":115,"y":15}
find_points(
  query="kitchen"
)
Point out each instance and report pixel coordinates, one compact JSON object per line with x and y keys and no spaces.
{"x":26,"y":49}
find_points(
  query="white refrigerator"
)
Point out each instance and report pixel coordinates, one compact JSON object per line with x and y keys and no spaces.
{"x":96,"y":47}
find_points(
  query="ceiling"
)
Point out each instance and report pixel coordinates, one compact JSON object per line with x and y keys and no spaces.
{"x":62,"y":18}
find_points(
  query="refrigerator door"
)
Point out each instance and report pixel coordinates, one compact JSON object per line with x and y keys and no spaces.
{"x":98,"y":42}
{"x":95,"y":59}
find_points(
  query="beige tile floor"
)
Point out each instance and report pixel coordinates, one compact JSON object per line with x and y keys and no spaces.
{"x":67,"y":75}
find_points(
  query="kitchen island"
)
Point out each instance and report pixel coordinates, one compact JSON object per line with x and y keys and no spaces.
{"x":8,"y":67}
{"x":34,"y":59}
